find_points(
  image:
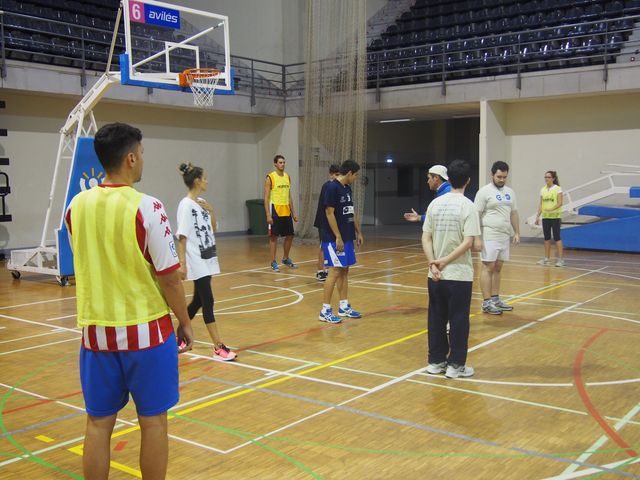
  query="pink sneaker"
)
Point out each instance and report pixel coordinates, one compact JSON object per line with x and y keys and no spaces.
{"x":223,"y":353}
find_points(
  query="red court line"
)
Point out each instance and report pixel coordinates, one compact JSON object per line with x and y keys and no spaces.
{"x":41,"y":402}
{"x":584,"y":396}
{"x":120,"y":446}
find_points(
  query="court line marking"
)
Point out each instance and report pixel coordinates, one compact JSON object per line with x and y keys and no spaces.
{"x":19,"y":339}
{"x":309,"y":370}
{"x":603,"y":439}
{"x":42,"y":345}
{"x":41,"y":324}
{"x":586,"y":399}
{"x":251,"y":270}
{"x":535,"y":292}
{"x":536,"y":322}
{"x":60,"y":318}
{"x":509,"y":399}
{"x":594,"y":471}
{"x":611,"y":316}
{"x":37,"y":303}
{"x":300,"y":296}
{"x":385,"y":418}
{"x":280,"y":379}
{"x":287,"y":376}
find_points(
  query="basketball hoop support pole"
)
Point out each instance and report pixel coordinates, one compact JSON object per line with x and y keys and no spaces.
{"x":42,"y":258}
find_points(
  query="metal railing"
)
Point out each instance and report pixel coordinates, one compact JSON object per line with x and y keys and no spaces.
{"x":599,"y":42}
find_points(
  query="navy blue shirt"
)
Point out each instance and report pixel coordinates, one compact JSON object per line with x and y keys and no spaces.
{"x":321,"y":216}
{"x":340,"y":198}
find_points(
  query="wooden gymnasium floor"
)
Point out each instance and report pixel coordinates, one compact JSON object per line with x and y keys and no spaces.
{"x":556,"y":392}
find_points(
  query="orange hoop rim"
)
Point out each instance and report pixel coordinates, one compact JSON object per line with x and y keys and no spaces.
{"x":191,"y":74}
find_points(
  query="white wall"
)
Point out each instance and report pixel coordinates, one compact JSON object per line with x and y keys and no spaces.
{"x":576,"y":137}
{"x":235,"y":150}
{"x":493,"y":141}
{"x":255,"y":27}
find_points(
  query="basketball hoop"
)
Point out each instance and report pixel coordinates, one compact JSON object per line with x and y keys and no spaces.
{"x":203,"y":83}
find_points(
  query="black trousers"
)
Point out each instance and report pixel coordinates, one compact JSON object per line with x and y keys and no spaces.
{"x":449,"y":301}
{"x":202,"y":298}
{"x":549,"y":226}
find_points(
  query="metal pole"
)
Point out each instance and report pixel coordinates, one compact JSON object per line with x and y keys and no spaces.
{"x":3,"y":67}
{"x":114,"y":37}
{"x":83,"y":74}
{"x":253,"y":85}
{"x":605,"y":73}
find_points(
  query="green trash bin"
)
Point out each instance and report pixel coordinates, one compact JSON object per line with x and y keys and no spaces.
{"x":257,"y":217}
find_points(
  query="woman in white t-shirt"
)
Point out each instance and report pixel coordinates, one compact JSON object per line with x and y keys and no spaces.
{"x":197,"y":252}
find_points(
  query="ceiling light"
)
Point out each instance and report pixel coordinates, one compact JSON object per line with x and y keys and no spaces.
{"x":396,"y":120}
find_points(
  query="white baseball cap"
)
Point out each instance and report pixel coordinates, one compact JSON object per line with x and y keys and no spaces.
{"x":439,"y":170}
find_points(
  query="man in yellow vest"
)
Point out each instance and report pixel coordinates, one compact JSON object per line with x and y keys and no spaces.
{"x":127,"y":280}
{"x":278,"y":206}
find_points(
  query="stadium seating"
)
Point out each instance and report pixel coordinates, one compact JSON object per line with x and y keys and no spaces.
{"x":488,"y":37}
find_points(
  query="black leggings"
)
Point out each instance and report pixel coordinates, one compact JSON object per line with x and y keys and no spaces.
{"x":551,"y":225}
{"x":202,"y":297}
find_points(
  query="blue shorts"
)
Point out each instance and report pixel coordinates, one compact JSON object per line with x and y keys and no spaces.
{"x":339,"y":259}
{"x":150,"y":376}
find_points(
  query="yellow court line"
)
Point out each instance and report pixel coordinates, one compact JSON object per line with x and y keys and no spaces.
{"x":136,"y":473}
{"x":560,"y":285}
{"x":44,"y":438}
{"x":303,"y":372}
{"x":79,"y":450}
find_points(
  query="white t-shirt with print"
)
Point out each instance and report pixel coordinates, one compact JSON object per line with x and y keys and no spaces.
{"x":495,"y":206}
{"x":450,"y":218}
{"x":194,"y":223}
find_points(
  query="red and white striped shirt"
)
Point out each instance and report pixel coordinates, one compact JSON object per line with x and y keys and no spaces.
{"x":155,"y":240}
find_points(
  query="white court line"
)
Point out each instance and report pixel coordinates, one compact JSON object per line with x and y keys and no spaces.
{"x":611,"y":316}
{"x":594,"y":471}
{"x":37,"y":303}
{"x":613,"y":274}
{"x":512,"y":384}
{"x":280,"y":373}
{"x":602,"y":440}
{"x":289,"y":277}
{"x":411,"y":256}
{"x":535,"y":322}
{"x":601,"y":310}
{"x":321,"y":412}
{"x":509,"y":399}
{"x":42,"y":345}
{"x":60,"y":318}
{"x":384,"y":261}
{"x":575,"y":259}
{"x":33,"y":322}
{"x":295,"y":293}
{"x":19,"y":339}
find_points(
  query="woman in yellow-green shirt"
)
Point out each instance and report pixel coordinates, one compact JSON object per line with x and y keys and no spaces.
{"x":550,"y":209}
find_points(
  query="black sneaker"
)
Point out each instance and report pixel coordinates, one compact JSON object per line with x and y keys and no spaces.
{"x":321,"y":276}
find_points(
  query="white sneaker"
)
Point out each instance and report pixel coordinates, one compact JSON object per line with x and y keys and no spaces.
{"x":560,"y":263}
{"x":544,"y":261}
{"x":455,"y":371}
{"x":436,"y":368}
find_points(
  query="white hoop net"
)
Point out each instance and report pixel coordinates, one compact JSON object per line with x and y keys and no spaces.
{"x":203,"y":83}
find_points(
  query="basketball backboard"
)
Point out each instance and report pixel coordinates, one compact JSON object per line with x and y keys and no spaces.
{"x":162,"y":40}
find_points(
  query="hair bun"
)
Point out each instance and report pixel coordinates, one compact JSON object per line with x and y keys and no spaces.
{"x":185,"y":168}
